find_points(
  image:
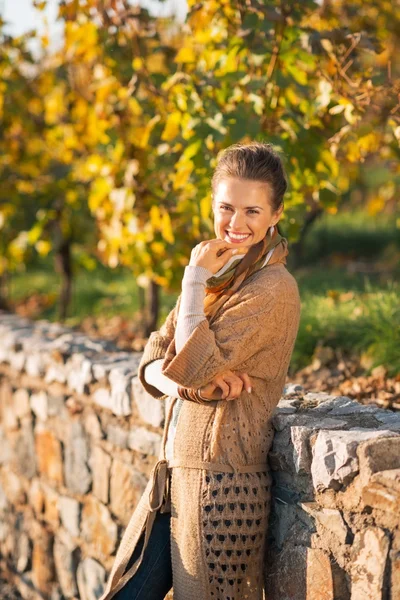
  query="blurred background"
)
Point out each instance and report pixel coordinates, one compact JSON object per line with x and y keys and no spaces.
{"x":112,"y":116}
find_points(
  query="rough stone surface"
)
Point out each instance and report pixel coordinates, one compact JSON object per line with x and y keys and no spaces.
{"x":66,"y":498}
{"x":43,"y":571}
{"x":91,"y":579}
{"x":39,"y":405}
{"x":117,"y":436}
{"x":145,"y":441}
{"x":301,"y":573}
{"x":78,"y":477}
{"x":374,"y":456}
{"x":383,"y":491}
{"x":151,"y":410}
{"x":21,"y":403}
{"x":65,"y":559}
{"x":70,"y":514}
{"x":22,"y":443}
{"x":331,"y":519}
{"x":49,"y":455}
{"x":12,"y":486}
{"x":369,"y":552}
{"x":335,"y":462}
{"x":126,"y":487}
{"x":98,"y":528}
{"x":100,"y":464}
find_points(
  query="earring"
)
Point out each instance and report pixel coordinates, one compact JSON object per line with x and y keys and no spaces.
{"x":272,"y":229}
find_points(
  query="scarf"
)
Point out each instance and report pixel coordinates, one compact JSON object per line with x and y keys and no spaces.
{"x":271,"y":249}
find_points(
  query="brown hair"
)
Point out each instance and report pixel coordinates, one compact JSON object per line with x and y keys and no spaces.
{"x":257,"y":161}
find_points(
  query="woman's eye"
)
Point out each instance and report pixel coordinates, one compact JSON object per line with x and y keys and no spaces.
{"x":250,"y":209}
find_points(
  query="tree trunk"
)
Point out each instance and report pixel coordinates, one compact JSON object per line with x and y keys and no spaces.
{"x":153,"y":307}
{"x":64,"y":267}
{"x":297,"y":250}
{"x":4,"y":305}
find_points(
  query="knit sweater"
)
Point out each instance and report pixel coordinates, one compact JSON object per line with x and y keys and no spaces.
{"x":220,"y":479}
{"x":191,"y":313}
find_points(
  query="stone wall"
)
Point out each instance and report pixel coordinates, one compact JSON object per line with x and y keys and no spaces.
{"x":78,"y":439}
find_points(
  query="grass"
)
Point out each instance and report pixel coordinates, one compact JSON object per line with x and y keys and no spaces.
{"x":341,"y":307}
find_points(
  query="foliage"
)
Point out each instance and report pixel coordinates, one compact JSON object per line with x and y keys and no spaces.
{"x":109,"y":142}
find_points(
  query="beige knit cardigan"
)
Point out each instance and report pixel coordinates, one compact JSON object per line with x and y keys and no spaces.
{"x":218,"y":491}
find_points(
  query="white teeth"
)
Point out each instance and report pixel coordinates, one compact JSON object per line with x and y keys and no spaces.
{"x":238,"y":237}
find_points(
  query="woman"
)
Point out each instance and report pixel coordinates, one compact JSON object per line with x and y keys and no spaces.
{"x":220,"y":361}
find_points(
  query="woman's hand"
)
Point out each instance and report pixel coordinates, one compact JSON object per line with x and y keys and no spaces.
{"x":214,"y":254}
{"x":226,"y":386}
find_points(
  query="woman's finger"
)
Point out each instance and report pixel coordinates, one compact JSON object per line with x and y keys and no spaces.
{"x":235,"y":385}
{"x":246,"y":380}
{"x":224,"y":386}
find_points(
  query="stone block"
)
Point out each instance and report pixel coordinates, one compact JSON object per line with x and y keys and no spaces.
{"x":395,"y":575}
{"x":98,"y":528}
{"x":70,"y":510}
{"x":383,"y":491}
{"x":5,"y":452}
{"x":78,"y":477}
{"x":21,"y":403}
{"x":369,"y":555}
{"x":299,"y":573}
{"x":117,"y":436}
{"x":100,"y":463}
{"x":49,"y":455}
{"x":22,"y":443}
{"x":330,"y":519}
{"x":56,"y":406}
{"x":79,"y":373}
{"x":102,"y":397}
{"x":35,"y":364}
{"x":91,"y":578}
{"x":51,"y":511}
{"x":126,"y":488}
{"x":144,"y":441}
{"x":93,"y":426}
{"x":23,"y":552}
{"x":66,"y":561}
{"x":150,"y":409}
{"x":292,"y":388}
{"x":12,"y":486}
{"x":378,"y":455}
{"x":39,"y":405}
{"x":120,"y":379}
{"x":43,"y":571}
{"x":335,"y":461}
{"x":8,"y":414}
{"x":36,"y":497}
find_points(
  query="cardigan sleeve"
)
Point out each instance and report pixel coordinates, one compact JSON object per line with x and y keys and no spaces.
{"x":191,"y":312}
{"x":241,"y":331}
{"x":156,"y":348}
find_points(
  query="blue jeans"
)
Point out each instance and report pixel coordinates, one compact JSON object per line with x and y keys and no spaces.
{"x":153,"y":579}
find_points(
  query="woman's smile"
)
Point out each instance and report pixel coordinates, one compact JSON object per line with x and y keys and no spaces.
{"x":236,"y":238}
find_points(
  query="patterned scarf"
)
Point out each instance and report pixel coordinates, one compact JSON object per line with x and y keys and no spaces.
{"x":271,"y":249}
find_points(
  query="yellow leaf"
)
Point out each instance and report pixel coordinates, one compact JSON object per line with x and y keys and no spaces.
{"x":205,"y":207}
{"x":43,"y":247}
{"x":137,"y":63}
{"x":167,"y":228}
{"x":155,"y":217}
{"x":185,"y":55}
{"x":172,"y":127}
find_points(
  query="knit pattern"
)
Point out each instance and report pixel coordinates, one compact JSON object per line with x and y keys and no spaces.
{"x":235,"y":510}
{"x":219,"y":517}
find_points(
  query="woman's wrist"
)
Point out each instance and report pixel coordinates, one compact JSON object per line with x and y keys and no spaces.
{"x":191,"y":394}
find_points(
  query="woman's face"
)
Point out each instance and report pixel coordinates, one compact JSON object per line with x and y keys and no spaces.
{"x":243,"y":207}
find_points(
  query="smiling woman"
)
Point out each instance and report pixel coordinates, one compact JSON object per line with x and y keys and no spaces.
{"x":220,"y":361}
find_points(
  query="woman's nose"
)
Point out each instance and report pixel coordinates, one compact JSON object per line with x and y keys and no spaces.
{"x":237,"y":222}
